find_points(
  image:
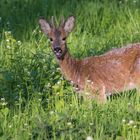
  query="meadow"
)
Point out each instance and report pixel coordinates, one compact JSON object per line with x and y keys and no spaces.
{"x":36,"y":102}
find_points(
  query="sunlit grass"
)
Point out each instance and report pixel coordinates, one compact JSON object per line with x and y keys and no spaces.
{"x":35,"y":100}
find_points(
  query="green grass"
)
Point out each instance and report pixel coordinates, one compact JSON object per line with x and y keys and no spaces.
{"x":35,"y":101}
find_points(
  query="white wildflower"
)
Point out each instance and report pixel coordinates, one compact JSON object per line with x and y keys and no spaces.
{"x":19,"y":42}
{"x":76,"y":89}
{"x":9,"y":32}
{"x":49,"y":85}
{"x":89,"y":138}
{"x":58,"y":69}
{"x":51,"y":112}
{"x":4,"y":103}
{"x":10,"y":126}
{"x":69,"y":123}
{"x":123,"y":120}
{"x":8,"y":47}
{"x":134,"y":126}
{"x":131,"y":122}
{"x":59,"y":82}
{"x":90,"y":123}
{"x":2,"y":99}
{"x":18,"y":86}
{"x":34,"y":31}
{"x":25,"y":124}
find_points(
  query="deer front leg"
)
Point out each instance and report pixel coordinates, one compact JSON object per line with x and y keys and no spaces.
{"x":101,"y":95}
{"x":97,"y":93}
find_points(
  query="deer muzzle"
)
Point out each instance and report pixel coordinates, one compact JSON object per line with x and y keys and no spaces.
{"x":58,"y":52}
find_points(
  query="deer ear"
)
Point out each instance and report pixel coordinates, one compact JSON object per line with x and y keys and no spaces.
{"x":69,"y":24}
{"x":45,"y":26}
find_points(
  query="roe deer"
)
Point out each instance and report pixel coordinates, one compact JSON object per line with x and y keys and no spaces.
{"x":116,"y":70}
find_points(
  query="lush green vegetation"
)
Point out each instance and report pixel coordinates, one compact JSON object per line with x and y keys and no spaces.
{"x":35,"y":100}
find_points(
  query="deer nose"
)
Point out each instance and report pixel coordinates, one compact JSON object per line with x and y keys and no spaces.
{"x":57,"y":49}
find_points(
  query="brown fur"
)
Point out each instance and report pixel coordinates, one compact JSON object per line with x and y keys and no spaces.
{"x":114,"y":71}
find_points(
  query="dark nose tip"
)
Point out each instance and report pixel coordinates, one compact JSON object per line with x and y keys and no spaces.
{"x":57,"y":49}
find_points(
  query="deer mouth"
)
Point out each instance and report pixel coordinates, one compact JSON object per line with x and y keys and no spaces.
{"x":58,"y":53}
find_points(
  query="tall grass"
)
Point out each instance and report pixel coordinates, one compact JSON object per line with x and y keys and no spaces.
{"x":35,"y":100}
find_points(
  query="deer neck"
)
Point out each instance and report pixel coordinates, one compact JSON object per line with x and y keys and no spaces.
{"x":70,"y":67}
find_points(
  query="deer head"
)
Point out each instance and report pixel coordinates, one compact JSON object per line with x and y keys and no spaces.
{"x":58,"y":35}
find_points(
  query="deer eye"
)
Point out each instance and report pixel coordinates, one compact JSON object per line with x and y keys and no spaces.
{"x":51,"y":39}
{"x":64,"y":38}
